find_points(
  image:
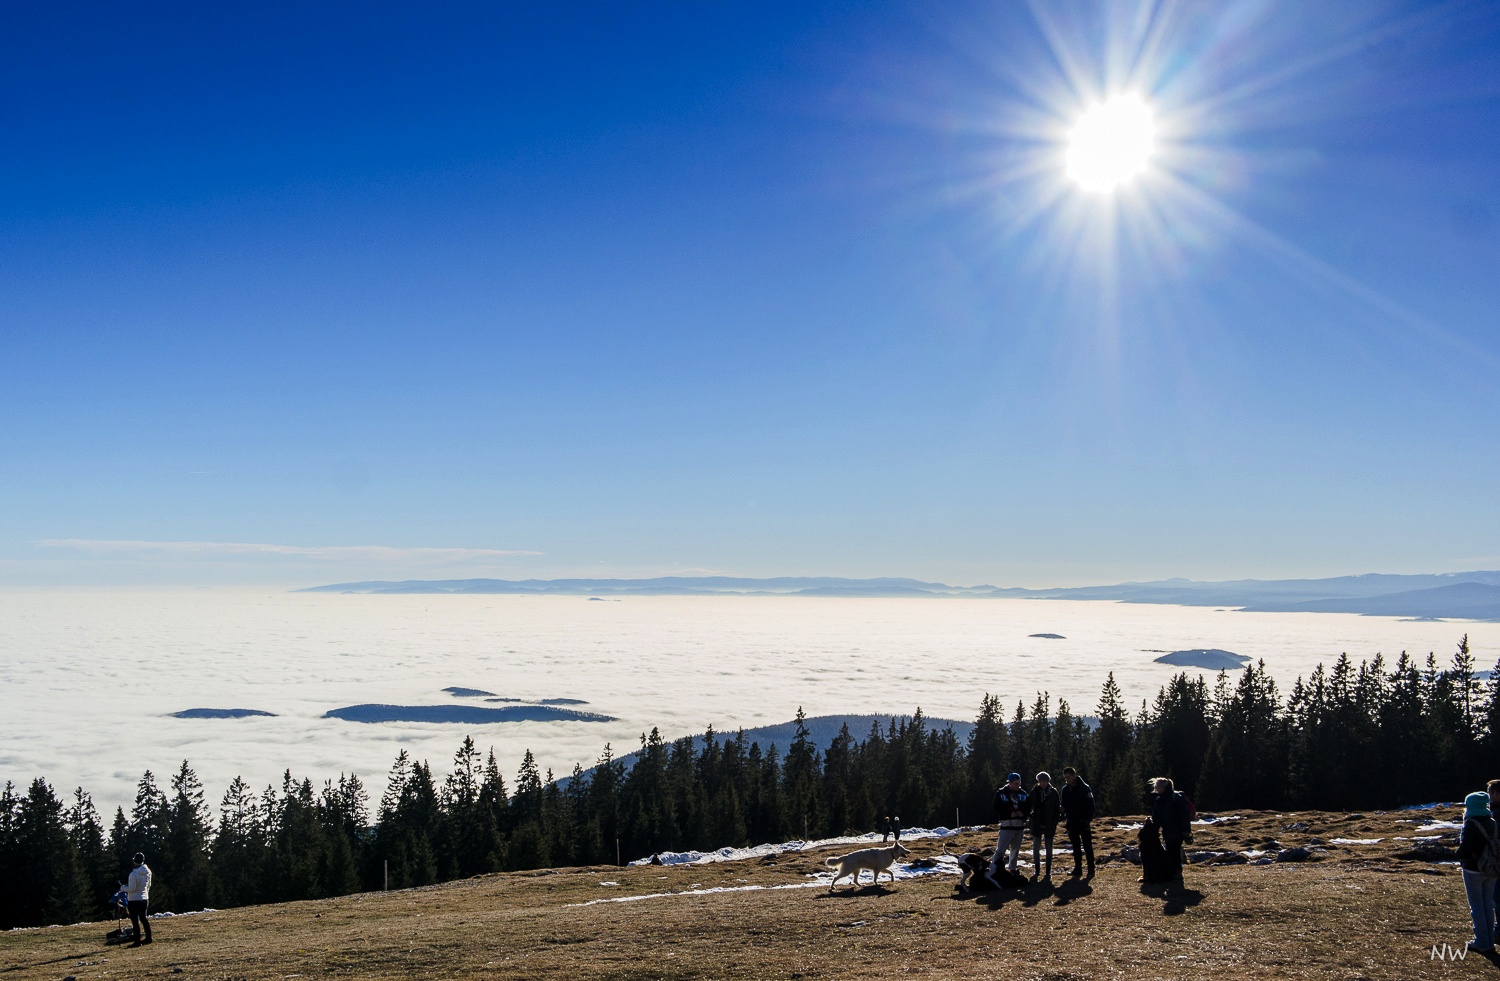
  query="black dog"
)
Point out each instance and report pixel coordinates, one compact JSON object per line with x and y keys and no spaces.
{"x":1153,"y":855}
{"x":975,"y":876}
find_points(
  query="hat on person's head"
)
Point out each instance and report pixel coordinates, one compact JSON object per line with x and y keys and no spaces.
{"x":1044,"y":777}
{"x":139,"y":858}
{"x":1013,"y":776}
{"x":1477,"y":805}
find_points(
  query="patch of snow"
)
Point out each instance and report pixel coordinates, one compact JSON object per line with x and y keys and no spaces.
{"x":942,"y":865}
{"x":1215,"y":819}
{"x":1355,"y":841}
{"x":1425,"y":807}
{"x":763,"y":851}
{"x":611,"y":883}
{"x":1441,"y":826}
{"x":1129,"y":827}
{"x":1253,"y":853}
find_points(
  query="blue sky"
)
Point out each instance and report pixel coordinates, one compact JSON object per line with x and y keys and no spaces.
{"x":745,"y":288}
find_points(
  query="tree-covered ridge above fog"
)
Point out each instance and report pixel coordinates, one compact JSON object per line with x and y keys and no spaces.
{"x":1456,"y":595}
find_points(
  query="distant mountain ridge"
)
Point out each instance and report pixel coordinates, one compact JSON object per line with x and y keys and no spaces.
{"x":1454,"y":595}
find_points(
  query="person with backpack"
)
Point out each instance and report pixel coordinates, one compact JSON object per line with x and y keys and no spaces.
{"x":1046,"y":810}
{"x":1493,"y":789}
{"x":1012,"y":806}
{"x":1169,"y":812}
{"x":1078,"y":816}
{"x":1479,"y":857}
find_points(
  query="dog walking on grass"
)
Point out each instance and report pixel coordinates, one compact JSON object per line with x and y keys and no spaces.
{"x":877,"y":860}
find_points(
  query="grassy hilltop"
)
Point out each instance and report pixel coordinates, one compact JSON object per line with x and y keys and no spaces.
{"x":1361,"y":911}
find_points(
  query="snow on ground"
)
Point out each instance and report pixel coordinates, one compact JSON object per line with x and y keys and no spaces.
{"x":1441,"y":826}
{"x":938,"y":865}
{"x":1355,"y":841}
{"x":762,"y":851}
{"x":1215,"y":819}
{"x":1425,"y":807}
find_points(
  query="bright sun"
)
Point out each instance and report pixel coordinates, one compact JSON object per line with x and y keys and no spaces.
{"x":1111,"y":144}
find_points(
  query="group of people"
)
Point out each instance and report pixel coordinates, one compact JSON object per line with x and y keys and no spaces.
{"x":1479,"y":858}
{"x":1038,"y":812}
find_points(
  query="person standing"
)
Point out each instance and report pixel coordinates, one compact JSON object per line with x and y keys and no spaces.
{"x":885,"y":830}
{"x":1046,"y":809}
{"x":1169,"y":811}
{"x":1478,"y":857}
{"x":1012,"y":806}
{"x":896,"y":827}
{"x":1078,"y":816}
{"x":1493,"y":789}
{"x":138,"y":900}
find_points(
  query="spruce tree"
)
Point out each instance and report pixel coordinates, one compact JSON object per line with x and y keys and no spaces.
{"x":45,"y":880}
{"x":185,"y":846}
{"x":1114,"y":788}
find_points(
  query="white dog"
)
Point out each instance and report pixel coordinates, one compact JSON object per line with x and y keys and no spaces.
{"x":877,"y":860}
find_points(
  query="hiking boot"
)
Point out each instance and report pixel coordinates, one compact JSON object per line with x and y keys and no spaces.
{"x":146,"y":941}
{"x":1076,"y":873}
{"x":136,"y":943}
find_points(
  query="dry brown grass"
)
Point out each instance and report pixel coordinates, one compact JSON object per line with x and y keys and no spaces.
{"x":1360,"y":913}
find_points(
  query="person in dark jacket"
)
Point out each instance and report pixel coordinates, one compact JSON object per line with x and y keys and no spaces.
{"x":1012,"y":806}
{"x":1479,"y":878}
{"x":1169,"y":812}
{"x":1493,"y":789}
{"x":1046,"y":809}
{"x":1078,"y":816}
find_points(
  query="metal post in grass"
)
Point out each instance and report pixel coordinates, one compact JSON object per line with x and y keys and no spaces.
{"x":387,"y":866}
{"x":618,"y":863}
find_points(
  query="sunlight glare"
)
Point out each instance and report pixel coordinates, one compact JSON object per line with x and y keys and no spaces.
{"x":1111,"y":144}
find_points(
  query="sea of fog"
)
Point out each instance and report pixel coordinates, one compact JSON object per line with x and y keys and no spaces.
{"x":91,"y":678}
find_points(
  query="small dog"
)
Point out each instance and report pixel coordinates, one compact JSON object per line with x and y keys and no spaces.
{"x":974,"y":873}
{"x":877,"y":860}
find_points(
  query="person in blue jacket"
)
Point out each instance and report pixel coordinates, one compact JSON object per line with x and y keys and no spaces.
{"x":1479,"y":835}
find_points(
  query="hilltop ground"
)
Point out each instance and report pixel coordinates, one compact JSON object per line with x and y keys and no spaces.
{"x":1364,"y":910}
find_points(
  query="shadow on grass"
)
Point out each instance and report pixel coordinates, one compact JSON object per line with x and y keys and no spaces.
{"x":857,"y":891}
{"x":56,"y":960}
{"x":1032,"y":894}
{"x":1072,"y":889}
{"x":1174,"y":903}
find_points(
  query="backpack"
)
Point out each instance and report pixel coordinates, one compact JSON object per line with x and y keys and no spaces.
{"x":1488,"y":859}
{"x":1187,"y":812}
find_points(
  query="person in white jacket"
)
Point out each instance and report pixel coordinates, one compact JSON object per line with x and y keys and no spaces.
{"x":138,"y":898}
